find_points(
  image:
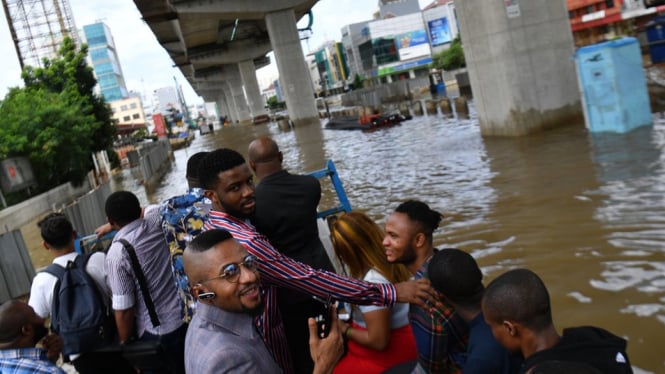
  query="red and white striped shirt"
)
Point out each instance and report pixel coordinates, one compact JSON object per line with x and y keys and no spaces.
{"x":279,"y":270}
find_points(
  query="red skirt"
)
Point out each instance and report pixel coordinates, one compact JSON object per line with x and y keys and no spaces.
{"x":360,"y":359}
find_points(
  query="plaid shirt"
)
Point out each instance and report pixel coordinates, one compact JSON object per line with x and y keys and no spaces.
{"x":27,"y":361}
{"x":279,"y":270}
{"x":440,"y":336}
{"x":182,"y":218}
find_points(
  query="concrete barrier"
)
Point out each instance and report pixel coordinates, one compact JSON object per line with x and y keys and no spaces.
{"x":461,"y":107}
{"x":446,"y":108}
{"x":430,"y":106}
{"x":417,"y":108}
{"x":404,"y":109}
{"x":15,"y":216}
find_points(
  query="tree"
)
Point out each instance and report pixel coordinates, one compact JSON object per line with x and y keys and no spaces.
{"x":56,"y":120}
{"x":70,"y":69}
{"x":452,"y":58}
{"x":358,"y":82}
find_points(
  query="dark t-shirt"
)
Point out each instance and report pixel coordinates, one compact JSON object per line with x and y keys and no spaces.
{"x":589,"y":345}
{"x":484,"y":354}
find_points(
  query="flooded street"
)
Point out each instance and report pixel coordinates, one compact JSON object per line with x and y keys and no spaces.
{"x":585,"y":212}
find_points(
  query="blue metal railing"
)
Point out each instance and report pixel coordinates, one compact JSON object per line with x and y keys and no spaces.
{"x":331,"y":171}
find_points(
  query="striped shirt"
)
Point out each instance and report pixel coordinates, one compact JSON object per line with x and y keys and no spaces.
{"x":146,"y":236}
{"x":440,"y":336}
{"x":279,"y":270}
{"x":27,"y":361}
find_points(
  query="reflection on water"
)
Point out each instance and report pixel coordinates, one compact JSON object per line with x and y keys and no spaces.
{"x":586,"y":212}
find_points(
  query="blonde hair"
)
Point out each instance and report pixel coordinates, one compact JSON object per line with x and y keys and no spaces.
{"x":358,"y":243}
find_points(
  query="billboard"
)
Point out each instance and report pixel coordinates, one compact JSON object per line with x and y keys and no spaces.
{"x":412,"y":44}
{"x":16,"y":174}
{"x":439,"y":31}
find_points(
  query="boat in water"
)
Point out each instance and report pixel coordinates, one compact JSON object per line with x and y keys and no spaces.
{"x":369,"y":122}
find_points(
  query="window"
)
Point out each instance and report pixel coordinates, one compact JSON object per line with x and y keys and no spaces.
{"x":125,"y":118}
{"x":609,"y":4}
{"x":132,"y":106}
{"x":136,"y":116}
{"x":123,"y":108}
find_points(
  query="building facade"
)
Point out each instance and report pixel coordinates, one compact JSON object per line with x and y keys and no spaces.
{"x":104,"y":59}
{"x":331,"y":68}
{"x":441,"y":23}
{"x":128,"y":114}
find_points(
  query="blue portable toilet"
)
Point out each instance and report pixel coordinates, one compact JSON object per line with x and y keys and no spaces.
{"x":656,"y":37}
{"x":613,"y":84}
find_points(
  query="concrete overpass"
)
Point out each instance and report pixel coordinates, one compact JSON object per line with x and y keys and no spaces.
{"x":219,"y":44}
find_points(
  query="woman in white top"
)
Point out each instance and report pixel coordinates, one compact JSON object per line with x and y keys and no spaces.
{"x":379,"y":337}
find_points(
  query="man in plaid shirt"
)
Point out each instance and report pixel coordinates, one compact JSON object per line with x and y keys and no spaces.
{"x":441,"y":334}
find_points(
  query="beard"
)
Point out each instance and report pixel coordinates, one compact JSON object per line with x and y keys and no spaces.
{"x":255,"y":311}
{"x":407,"y":258}
{"x":230,"y":210}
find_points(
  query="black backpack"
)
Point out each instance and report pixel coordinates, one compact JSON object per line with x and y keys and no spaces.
{"x":80,"y":314}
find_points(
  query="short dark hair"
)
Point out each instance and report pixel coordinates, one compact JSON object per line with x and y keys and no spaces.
{"x":56,"y":230}
{"x":215,"y":162}
{"x":208,"y":239}
{"x":519,"y":295}
{"x":422,"y":214}
{"x":122,"y":207}
{"x":193,"y":164}
{"x":457,"y":276}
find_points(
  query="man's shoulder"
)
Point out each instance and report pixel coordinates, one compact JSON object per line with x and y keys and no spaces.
{"x":589,"y":345}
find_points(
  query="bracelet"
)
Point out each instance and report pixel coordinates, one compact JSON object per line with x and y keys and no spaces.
{"x":347,"y":331}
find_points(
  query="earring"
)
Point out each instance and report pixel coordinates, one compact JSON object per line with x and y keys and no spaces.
{"x":206,"y":295}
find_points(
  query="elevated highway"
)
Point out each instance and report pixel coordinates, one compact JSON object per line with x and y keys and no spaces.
{"x":219,"y":44}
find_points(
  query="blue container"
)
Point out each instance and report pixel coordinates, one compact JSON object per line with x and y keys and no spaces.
{"x":613,"y":85}
{"x":656,"y":38}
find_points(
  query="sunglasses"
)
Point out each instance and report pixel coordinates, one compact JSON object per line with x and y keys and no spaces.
{"x":231,"y":272}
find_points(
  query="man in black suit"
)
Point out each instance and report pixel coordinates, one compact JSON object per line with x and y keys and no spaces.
{"x":286,"y":214}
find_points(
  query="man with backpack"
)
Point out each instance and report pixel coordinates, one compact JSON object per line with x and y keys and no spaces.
{"x":73,"y":292}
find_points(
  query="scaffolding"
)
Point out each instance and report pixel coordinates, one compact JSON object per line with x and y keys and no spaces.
{"x":38,"y":27}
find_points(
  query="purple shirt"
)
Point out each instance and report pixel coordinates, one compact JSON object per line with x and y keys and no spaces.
{"x":146,"y":236}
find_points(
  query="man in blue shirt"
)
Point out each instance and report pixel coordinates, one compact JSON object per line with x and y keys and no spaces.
{"x":20,"y":330}
{"x":455,"y":274}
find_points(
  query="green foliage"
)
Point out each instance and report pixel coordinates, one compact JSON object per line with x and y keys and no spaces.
{"x":272,"y":102}
{"x":452,"y":58}
{"x":56,"y":120}
{"x":358,"y":81}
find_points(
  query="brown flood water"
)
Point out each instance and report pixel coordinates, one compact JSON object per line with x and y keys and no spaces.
{"x":587,"y":213}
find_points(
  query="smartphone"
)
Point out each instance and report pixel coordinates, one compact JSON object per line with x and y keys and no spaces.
{"x":324,"y":319}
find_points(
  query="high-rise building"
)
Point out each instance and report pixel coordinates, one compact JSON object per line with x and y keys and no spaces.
{"x":104,"y":58}
{"x":331,"y":66}
{"x":38,"y":28}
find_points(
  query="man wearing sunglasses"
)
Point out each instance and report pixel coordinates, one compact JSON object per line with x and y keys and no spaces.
{"x":222,"y":336}
{"x":229,"y":184}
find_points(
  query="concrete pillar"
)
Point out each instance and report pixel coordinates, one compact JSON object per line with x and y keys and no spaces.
{"x":254,"y":98}
{"x":225,"y":107}
{"x":293,"y":71}
{"x":518,"y":55}
{"x":237,"y":96}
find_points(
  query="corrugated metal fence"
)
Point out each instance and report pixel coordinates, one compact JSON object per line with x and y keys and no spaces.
{"x":87,"y":212}
{"x":152,"y":157}
{"x":16,"y":269}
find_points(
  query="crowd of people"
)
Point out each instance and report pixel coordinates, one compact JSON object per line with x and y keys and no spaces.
{"x":233,"y":277}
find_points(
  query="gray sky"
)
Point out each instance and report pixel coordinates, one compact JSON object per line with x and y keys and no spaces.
{"x":146,"y":65}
